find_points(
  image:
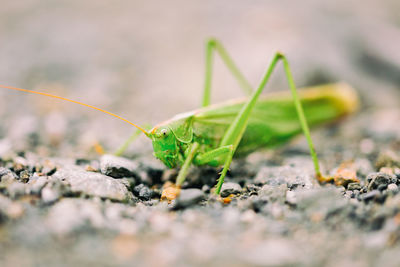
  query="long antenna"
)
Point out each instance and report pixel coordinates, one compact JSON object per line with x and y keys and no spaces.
{"x":73,"y":101}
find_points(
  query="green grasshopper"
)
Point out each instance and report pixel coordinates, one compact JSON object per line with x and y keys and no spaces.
{"x":213,"y":134}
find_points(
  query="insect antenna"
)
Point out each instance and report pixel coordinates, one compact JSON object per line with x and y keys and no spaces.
{"x":76,"y":102}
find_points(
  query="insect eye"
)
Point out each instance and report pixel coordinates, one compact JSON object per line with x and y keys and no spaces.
{"x":164,"y":132}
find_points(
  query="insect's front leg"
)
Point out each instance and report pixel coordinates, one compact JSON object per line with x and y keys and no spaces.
{"x":192,"y":150}
{"x":225,"y":152}
{"x":216,"y":154}
{"x":222,"y":154}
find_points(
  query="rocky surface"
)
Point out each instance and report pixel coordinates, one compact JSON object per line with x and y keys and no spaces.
{"x":285,"y":220}
{"x":64,"y":203}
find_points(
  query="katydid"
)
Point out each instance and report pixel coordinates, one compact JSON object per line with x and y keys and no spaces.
{"x":214,"y":134}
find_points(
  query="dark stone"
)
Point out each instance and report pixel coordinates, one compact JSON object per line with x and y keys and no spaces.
{"x":382,"y":187}
{"x":348,"y":194}
{"x":252,"y":189}
{"x":118,"y":167}
{"x":356,"y":193}
{"x":378,"y":178}
{"x":82,"y":161}
{"x":142,"y":192}
{"x":154,"y":170}
{"x":230,"y":188}
{"x":372,"y":195}
{"x":49,"y":168}
{"x":258,"y":203}
{"x":206,"y":188}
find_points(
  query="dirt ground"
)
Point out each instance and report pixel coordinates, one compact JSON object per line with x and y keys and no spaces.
{"x":63,"y":204}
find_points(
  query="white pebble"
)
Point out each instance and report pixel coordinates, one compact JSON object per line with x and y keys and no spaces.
{"x":392,"y":187}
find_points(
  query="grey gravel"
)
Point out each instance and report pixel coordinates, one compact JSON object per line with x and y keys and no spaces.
{"x":274,"y":193}
{"x":71,"y":214}
{"x":7,"y":176}
{"x":230,"y":188}
{"x":291,"y":197}
{"x":118,"y":167}
{"x":353,"y":186}
{"x":291,"y":176}
{"x":374,"y":194}
{"x":143,"y":192}
{"x":36,"y":184}
{"x":272,"y":253}
{"x":50,"y":194}
{"x":93,"y":184}
{"x":24,"y":176}
{"x":16,"y":189}
{"x":189,"y":197}
{"x":4,"y":171}
{"x":379,"y":178}
{"x":393,"y":188}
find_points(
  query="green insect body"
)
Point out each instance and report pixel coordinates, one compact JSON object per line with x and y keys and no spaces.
{"x":214,"y":134}
{"x":273,"y":121}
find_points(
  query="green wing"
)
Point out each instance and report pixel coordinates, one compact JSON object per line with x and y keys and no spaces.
{"x":274,"y":119}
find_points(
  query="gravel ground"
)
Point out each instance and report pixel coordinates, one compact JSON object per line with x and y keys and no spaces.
{"x":61,"y":204}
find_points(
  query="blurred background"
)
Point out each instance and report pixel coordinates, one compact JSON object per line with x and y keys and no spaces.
{"x":145,"y":60}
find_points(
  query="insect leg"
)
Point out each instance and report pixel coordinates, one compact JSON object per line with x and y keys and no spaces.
{"x":302,"y":118}
{"x":185,"y":167}
{"x":213,"y":44}
{"x":236,"y":130}
{"x":209,"y":156}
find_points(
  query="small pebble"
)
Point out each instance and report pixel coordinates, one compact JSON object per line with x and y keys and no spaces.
{"x":378,"y":178}
{"x":393,"y":188}
{"x":49,"y":168}
{"x":348,"y":194}
{"x":4,"y":171}
{"x":24,"y":176}
{"x":36,"y":185}
{"x":356,"y":193}
{"x":353,"y":186}
{"x":93,"y":184}
{"x":7,"y":176}
{"x":143,"y":192}
{"x":118,"y":167}
{"x":188,"y":197}
{"x":206,"y":188}
{"x":230,"y":188}
{"x":20,"y":164}
{"x":382,"y":187}
{"x":370,"y":195}
{"x":291,"y":198}
{"x":258,"y":202}
{"x":50,"y":195}
{"x":16,"y":189}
